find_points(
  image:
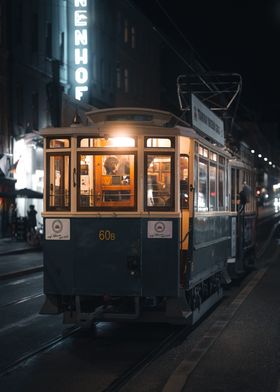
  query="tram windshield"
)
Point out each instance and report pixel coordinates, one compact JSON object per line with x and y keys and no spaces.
{"x":106,"y":181}
{"x":158,"y":178}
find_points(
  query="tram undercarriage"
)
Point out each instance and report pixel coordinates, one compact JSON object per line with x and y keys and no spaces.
{"x":188,"y":307}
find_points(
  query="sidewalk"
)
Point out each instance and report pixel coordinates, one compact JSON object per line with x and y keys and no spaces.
{"x":17,"y":266}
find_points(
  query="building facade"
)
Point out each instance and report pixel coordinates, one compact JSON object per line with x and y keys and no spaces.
{"x":64,"y":57}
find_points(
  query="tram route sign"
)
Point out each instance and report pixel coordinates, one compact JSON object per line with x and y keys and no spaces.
{"x":206,"y":122}
{"x":57,"y":229}
{"x":160,"y":229}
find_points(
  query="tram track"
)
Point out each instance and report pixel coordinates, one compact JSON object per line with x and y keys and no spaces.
{"x":43,"y":347}
{"x":21,"y":300}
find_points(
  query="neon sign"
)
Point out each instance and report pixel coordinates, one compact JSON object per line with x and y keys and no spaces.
{"x":81,"y":48}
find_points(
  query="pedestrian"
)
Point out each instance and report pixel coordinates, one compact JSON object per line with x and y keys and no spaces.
{"x":244,"y":196}
{"x":13,"y":220}
{"x":31,"y":218}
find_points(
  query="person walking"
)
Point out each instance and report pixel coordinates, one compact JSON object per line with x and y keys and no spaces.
{"x":31,"y":218}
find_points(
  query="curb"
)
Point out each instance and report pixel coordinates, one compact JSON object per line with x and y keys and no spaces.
{"x":26,"y":271}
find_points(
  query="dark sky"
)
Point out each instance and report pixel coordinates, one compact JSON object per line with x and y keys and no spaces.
{"x":241,"y":36}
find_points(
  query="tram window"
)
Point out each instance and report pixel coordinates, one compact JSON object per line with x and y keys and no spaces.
{"x":203,"y":151}
{"x":221,"y":188}
{"x":58,"y":197}
{"x":158,"y":181}
{"x":213,"y":156}
{"x":233,"y":190}
{"x":212,"y":187}
{"x":203,"y":185}
{"x":106,"y":181}
{"x":59,"y":143}
{"x":106,"y":142}
{"x":160,"y":142}
{"x":184,"y":181}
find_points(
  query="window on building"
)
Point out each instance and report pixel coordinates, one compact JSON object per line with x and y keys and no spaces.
{"x":49,"y":40}
{"x":102,"y":72}
{"x":35,"y":110}
{"x":1,"y":25}
{"x":126,"y":86}
{"x":19,"y":104}
{"x":34,"y":33}
{"x":62,"y":48}
{"x":133,"y":37}
{"x":118,"y":76}
{"x":125,"y":31}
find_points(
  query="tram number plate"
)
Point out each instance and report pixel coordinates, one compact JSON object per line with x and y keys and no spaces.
{"x":106,"y":235}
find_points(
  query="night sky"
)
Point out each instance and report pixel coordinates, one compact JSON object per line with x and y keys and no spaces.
{"x":239,"y":36}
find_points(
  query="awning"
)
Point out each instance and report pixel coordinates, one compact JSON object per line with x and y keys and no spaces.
{"x":28,"y":193}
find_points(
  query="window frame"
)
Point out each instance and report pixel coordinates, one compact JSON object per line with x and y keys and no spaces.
{"x":172,"y":180}
{"x":102,"y":152}
{"x":50,"y":154}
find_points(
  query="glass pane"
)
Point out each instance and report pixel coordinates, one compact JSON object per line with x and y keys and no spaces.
{"x":59,"y":143}
{"x":203,"y":186}
{"x":58,"y":197}
{"x":212,"y":186}
{"x":158,"y":181}
{"x":184,"y":181}
{"x":221,"y":188}
{"x":158,"y":142}
{"x":107,"y":181}
{"x":107,"y":142}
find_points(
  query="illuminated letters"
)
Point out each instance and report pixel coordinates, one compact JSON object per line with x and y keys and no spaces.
{"x":80,"y":48}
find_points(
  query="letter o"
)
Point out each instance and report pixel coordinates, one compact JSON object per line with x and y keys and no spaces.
{"x":81,"y":75}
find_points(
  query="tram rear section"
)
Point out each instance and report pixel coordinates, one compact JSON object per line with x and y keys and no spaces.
{"x":153,"y":242}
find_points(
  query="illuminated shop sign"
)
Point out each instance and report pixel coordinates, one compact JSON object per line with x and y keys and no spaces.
{"x":81,"y":47}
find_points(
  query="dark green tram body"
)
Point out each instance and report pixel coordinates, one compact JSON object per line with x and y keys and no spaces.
{"x":114,"y":257}
{"x":210,"y":248}
{"x":142,"y":219}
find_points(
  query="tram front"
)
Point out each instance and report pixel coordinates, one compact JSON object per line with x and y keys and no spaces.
{"x":112,"y":223}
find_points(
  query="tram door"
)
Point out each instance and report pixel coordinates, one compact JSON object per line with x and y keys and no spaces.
{"x":184,"y":207}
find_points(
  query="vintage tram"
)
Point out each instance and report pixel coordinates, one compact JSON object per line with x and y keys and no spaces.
{"x":141,"y":219}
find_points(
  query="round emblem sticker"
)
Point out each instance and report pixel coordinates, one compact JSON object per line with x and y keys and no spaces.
{"x":159,"y":227}
{"x":57,"y":226}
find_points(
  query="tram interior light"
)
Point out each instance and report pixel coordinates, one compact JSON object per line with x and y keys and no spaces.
{"x":122,"y":141}
{"x":253,"y":151}
{"x":259,"y":155}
